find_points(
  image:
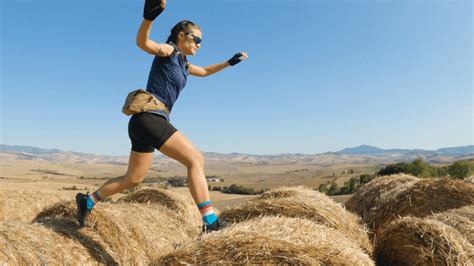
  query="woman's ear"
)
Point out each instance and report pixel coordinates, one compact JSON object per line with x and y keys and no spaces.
{"x":181,"y":36}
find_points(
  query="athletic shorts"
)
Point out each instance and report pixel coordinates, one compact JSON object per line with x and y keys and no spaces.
{"x":149,"y":131}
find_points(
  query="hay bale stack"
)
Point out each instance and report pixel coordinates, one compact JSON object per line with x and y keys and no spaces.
{"x":462,"y":219}
{"x":122,"y":233}
{"x":271,"y":240}
{"x":416,"y":241}
{"x":31,"y":244}
{"x":424,"y":198}
{"x":305,"y":203}
{"x":23,"y":206}
{"x":373,"y":196}
{"x":184,"y":206}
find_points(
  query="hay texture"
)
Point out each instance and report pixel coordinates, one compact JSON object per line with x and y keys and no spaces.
{"x":271,"y":240}
{"x":373,"y":196}
{"x":470,"y":179}
{"x":23,"y":206}
{"x":301,"y":202}
{"x":32,"y":244}
{"x":184,"y":206}
{"x":125,"y":233}
{"x":424,"y":198}
{"x":462,"y":219}
{"x":416,"y":241}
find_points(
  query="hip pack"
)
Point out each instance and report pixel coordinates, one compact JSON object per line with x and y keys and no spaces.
{"x":140,"y":101}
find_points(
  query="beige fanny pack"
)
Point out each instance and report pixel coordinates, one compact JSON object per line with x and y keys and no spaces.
{"x":140,"y":101}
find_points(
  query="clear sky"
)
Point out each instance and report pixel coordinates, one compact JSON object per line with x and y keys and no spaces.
{"x":321,"y":75}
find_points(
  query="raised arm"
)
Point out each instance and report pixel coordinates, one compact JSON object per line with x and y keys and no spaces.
{"x":149,"y":46}
{"x":152,"y":9}
{"x":209,"y":70}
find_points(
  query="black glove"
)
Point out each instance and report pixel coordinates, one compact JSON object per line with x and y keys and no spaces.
{"x":152,"y":9}
{"x":235,"y":59}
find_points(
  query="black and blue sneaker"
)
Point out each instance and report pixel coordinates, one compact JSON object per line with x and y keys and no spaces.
{"x":215,"y":226}
{"x":82,"y":211}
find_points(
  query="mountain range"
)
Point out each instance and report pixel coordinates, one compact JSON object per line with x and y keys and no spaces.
{"x":361,"y":154}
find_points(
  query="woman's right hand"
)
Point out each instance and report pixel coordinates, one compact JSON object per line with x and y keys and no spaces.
{"x":153,"y":9}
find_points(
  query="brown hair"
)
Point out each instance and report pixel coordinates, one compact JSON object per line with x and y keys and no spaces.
{"x":184,"y":26}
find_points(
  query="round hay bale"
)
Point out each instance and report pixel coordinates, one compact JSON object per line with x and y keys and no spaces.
{"x":185,"y":206}
{"x":372,"y":196}
{"x":286,"y":192}
{"x":462,"y":219}
{"x":127,"y":233}
{"x":416,"y":241}
{"x":31,"y":244}
{"x":305,"y":203}
{"x":31,"y":204}
{"x":424,"y":198}
{"x":271,"y":240}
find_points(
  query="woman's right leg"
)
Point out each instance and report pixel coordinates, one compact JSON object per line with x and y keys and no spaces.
{"x":181,"y":149}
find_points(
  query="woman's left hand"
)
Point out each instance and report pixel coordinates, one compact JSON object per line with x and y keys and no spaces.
{"x":237,"y":58}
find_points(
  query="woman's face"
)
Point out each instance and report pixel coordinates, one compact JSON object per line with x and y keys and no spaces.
{"x":190,"y":41}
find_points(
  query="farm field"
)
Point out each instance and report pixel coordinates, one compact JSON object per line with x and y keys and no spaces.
{"x":290,"y":223}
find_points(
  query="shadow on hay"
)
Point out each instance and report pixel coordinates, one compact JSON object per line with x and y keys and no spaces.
{"x":67,"y":226}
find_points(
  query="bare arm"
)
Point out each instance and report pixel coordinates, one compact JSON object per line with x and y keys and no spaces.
{"x":149,"y":46}
{"x":208,"y":70}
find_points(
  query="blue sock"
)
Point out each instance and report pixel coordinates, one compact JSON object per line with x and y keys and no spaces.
{"x":207,"y":213}
{"x":92,"y":199}
{"x":209,"y":219}
{"x":90,"y":203}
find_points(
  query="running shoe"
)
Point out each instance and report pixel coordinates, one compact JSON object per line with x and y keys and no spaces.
{"x":82,"y":210}
{"x":215,"y":226}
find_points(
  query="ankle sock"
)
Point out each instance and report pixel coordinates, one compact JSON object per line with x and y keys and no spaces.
{"x":207,"y":213}
{"x":93,"y":199}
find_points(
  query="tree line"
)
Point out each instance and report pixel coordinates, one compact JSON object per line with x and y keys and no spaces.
{"x":418,"y":167}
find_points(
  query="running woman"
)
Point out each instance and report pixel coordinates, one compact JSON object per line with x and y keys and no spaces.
{"x":152,"y":129}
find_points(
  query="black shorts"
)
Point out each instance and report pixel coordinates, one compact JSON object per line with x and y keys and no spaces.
{"x":149,"y":131}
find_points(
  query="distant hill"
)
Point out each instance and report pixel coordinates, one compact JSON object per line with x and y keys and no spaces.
{"x":367,"y":149}
{"x":364,"y":154}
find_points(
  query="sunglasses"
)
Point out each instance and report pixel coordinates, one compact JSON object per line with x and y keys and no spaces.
{"x":196,"y":39}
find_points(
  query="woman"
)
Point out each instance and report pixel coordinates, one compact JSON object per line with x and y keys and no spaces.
{"x":152,"y":129}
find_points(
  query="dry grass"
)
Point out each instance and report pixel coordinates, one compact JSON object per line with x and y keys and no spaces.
{"x":416,"y":241}
{"x":302,"y":202}
{"x":23,"y":206}
{"x":181,"y":204}
{"x":470,"y":179}
{"x":122,"y":233}
{"x":271,"y":240}
{"x":424,"y":198}
{"x":462,"y":219}
{"x":373,"y":196}
{"x":32,"y":244}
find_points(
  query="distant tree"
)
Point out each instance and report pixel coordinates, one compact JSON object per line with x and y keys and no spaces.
{"x":459,"y":169}
{"x":177,"y":181}
{"x":333,"y":189}
{"x":235,"y":189}
{"x":323,"y":188}
{"x":365,"y":178}
{"x":394,"y":169}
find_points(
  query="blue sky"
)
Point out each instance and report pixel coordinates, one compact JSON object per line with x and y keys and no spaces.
{"x":321,"y":75}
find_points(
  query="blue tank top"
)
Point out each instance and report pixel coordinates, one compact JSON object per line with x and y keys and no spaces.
{"x":167,"y":78}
